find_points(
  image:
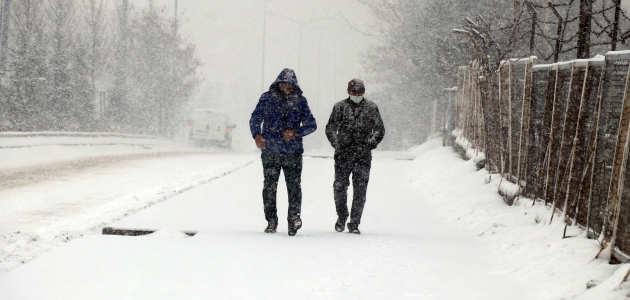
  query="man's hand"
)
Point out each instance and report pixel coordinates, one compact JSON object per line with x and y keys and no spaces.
{"x":288,"y":135}
{"x":260,"y":142}
{"x":371,"y":142}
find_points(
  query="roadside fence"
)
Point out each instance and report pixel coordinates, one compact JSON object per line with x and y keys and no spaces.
{"x":557,"y":133}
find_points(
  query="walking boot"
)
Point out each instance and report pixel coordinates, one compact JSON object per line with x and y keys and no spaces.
{"x":340,"y":226}
{"x":353,"y":228}
{"x":294,"y":224}
{"x":271,"y":227}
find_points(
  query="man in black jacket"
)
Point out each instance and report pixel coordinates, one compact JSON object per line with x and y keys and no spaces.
{"x":355,"y":128}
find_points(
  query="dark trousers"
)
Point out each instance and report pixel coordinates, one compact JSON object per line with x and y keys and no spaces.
{"x":359,"y":167}
{"x":291,"y":164}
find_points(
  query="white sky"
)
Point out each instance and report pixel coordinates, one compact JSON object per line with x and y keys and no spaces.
{"x":228,"y":35}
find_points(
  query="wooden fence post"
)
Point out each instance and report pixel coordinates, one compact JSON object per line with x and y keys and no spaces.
{"x":612,"y":96}
{"x":580,"y":166}
{"x":567,"y":132}
{"x":561,"y":94}
{"x":525,"y":123}
{"x":504,"y":113}
{"x":535,"y":148}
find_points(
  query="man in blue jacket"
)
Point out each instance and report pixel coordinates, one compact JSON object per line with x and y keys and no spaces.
{"x":285,"y":118}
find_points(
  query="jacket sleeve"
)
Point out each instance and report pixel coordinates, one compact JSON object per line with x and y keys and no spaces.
{"x":309,"y":125}
{"x":333,"y":127}
{"x":378,"y":132}
{"x":257,"y":117}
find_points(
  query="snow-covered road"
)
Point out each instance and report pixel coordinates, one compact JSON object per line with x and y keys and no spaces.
{"x":433,"y":228}
{"x":405,"y":251}
{"x":54,"y":204}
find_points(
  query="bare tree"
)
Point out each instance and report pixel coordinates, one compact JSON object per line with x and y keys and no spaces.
{"x":584,"y":28}
{"x":418,"y":54}
{"x":94,"y":16}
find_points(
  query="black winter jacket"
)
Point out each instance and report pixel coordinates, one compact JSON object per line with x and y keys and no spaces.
{"x":355,"y":128}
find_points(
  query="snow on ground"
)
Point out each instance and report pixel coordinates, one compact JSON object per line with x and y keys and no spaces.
{"x":520,"y":237}
{"x":50,"y":194}
{"x":432,"y":229}
{"x":404,"y":251}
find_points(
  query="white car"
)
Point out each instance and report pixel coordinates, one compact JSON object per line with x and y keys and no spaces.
{"x":211,"y":127}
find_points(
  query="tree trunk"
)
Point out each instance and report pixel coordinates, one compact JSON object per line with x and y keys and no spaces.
{"x":584,"y":31}
{"x":517,"y":26}
{"x":614,"y":38}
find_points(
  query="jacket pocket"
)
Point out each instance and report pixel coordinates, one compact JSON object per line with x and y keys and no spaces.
{"x":343,"y":139}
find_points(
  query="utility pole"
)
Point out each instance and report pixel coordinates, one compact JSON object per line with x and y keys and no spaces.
{"x":301,"y":23}
{"x":123,"y":57}
{"x":175,"y":23}
{"x":319,"y":84}
{"x":118,"y":112}
{"x":6,"y":14}
{"x":166,"y":108}
{"x":262,"y":80}
{"x":300,"y":49}
{"x":319,"y":74}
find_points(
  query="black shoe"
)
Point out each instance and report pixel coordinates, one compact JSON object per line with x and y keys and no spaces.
{"x":340,"y":226}
{"x":294,"y":225}
{"x":271,"y":227}
{"x":352,"y":228}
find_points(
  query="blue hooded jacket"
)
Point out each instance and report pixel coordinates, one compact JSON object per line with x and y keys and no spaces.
{"x":277,"y":112}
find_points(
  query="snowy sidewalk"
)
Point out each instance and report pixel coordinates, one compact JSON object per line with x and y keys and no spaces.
{"x":48,"y":212}
{"x":404,"y":252}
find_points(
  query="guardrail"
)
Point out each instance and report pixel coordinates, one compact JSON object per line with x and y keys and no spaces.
{"x":75,"y":134}
{"x":32,"y":139}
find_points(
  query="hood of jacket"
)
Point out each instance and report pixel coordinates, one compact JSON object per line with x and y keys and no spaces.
{"x":288,"y":76}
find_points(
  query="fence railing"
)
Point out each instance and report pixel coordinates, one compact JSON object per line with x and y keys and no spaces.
{"x":559,"y":132}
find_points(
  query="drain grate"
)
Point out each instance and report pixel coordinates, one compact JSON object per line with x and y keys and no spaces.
{"x":135,"y":232}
